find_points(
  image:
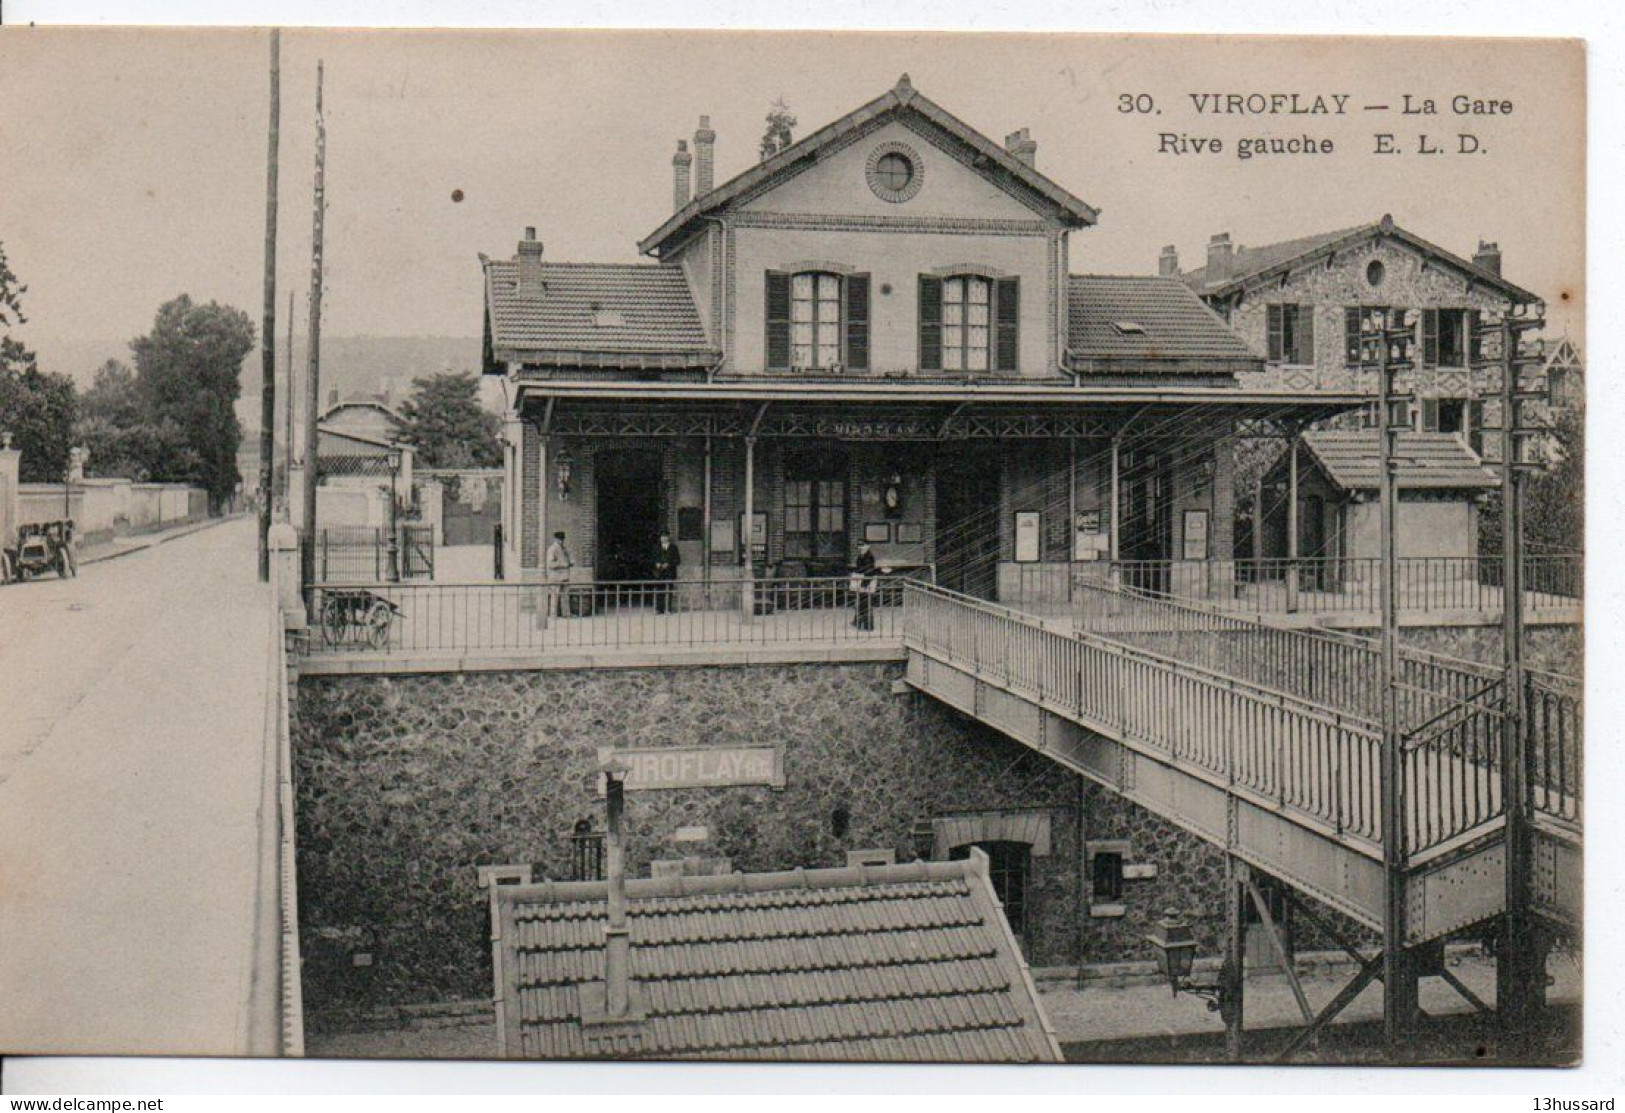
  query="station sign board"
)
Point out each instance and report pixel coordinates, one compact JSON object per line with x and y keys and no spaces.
{"x":668,"y":767}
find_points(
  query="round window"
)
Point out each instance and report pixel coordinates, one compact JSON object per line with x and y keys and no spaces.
{"x":894,"y":172}
{"x":1374,"y":272}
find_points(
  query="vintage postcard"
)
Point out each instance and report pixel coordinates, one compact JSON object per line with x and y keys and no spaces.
{"x":782,"y":546}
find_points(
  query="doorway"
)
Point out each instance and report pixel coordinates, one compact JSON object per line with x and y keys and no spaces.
{"x":967,"y":541}
{"x":631,"y":512}
{"x":1009,"y":868}
{"x":1147,"y":534}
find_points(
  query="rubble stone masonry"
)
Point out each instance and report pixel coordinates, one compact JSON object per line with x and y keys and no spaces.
{"x":407,"y":783}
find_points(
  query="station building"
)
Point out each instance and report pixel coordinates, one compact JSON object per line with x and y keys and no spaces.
{"x":873,"y":335}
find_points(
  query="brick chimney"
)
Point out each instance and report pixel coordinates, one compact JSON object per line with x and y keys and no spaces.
{"x":705,"y":142}
{"x":1488,"y":256}
{"x":1220,"y":256}
{"x":1168,"y":262}
{"x":1023,"y":146}
{"x":680,"y":163}
{"x":530,"y":266}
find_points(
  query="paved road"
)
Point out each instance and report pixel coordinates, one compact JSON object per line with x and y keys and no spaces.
{"x":132,"y":777}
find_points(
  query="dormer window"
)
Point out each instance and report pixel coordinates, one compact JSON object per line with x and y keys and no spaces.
{"x":1129,"y":328}
{"x":817,"y":321}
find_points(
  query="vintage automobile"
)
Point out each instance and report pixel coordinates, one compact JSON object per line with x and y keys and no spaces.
{"x":41,"y":547}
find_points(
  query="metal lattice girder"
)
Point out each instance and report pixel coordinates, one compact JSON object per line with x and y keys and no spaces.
{"x":379,"y":466}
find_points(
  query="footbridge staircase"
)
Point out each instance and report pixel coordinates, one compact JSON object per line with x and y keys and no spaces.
{"x":1267,"y":742}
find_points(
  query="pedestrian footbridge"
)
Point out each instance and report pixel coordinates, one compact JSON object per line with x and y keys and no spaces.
{"x":1268,"y":743}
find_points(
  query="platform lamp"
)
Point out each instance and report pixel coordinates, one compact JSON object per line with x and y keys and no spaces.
{"x":1175,"y":945}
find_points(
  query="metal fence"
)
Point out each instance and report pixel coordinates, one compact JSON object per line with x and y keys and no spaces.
{"x":1315,"y":585}
{"x":1334,"y":669}
{"x":1303,"y":757}
{"x":441,"y":618}
{"x":364,"y":554}
{"x":1232,"y":709}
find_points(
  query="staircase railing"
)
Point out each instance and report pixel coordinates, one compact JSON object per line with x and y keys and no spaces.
{"x":1318,"y":763}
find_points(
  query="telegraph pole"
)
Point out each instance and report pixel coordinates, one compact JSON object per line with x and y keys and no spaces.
{"x":313,"y":364}
{"x":287,"y":414}
{"x":268,"y":325}
{"x":1520,"y":975}
{"x":1398,"y":980}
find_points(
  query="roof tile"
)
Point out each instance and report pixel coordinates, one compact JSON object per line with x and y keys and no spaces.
{"x":1351,"y":458}
{"x":1174,"y":327}
{"x":598,"y":308}
{"x":895,"y":963}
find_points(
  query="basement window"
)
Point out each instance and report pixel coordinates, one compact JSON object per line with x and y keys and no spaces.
{"x":1106,"y":873}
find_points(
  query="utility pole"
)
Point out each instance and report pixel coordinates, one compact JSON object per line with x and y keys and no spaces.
{"x":291,"y":392}
{"x":313,"y":373}
{"x":268,"y":325}
{"x":1520,"y":974}
{"x":1398,"y":979}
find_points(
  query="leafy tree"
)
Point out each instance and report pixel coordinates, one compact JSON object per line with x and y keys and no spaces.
{"x":445,"y":421}
{"x":36,"y":407}
{"x":189,"y":376}
{"x":780,"y":129}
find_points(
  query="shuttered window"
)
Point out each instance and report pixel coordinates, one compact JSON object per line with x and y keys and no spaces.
{"x":857,"y":322}
{"x":969,"y":323}
{"x":817,"y":321}
{"x":1292,"y":334}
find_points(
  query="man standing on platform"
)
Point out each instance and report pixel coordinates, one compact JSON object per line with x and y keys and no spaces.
{"x":557,"y":567}
{"x":667,"y":558}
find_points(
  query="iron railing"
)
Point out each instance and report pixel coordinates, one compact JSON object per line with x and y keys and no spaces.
{"x":1553,"y":717}
{"x":1553,"y":582}
{"x":441,"y":618}
{"x":1228,"y":707}
{"x":1318,"y":763}
{"x":1331,"y":668}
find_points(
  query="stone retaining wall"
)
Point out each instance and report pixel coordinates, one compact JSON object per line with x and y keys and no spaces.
{"x":407,"y":783}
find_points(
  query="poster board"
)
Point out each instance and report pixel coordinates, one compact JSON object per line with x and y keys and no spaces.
{"x":1028,"y":536}
{"x":1196,"y":537}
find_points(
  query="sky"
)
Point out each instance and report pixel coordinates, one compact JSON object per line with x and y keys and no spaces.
{"x":132,"y":162}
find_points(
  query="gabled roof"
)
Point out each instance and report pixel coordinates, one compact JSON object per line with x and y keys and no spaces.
{"x":1147,"y":323}
{"x":363,"y":404}
{"x":880,"y":963}
{"x":899,"y":99}
{"x":1351,"y":459}
{"x":595,"y":314}
{"x":1564,"y":356}
{"x":1250,"y":266}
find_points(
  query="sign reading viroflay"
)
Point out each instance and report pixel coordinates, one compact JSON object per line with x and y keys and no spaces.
{"x":696,"y":766}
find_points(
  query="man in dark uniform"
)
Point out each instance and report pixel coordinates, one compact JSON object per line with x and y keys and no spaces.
{"x":863,"y":586}
{"x":667,"y":558}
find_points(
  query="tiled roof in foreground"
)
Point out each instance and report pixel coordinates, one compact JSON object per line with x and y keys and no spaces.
{"x":1351,"y":459}
{"x":597,"y":309}
{"x":867,"y":963}
{"x":1148,"y":322}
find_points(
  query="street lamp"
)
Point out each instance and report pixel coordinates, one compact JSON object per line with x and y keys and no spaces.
{"x":1175,"y":945}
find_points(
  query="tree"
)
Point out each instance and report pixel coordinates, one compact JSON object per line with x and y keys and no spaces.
{"x":779,"y":133}
{"x":189,"y":376}
{"x":445,"y":421}
{"x":36,"y":407}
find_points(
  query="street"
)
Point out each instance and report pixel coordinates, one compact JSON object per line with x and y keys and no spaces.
{"x":131,"y":782}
